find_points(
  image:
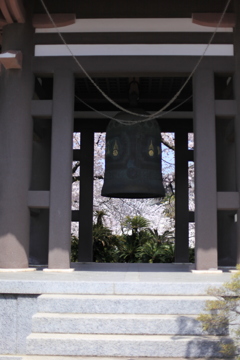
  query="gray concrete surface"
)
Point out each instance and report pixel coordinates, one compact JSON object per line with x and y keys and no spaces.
{"x":97,"y":278}
{"x":123,"y":345}
{"x":137,"y":324}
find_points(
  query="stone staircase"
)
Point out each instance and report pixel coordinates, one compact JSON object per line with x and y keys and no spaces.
{"x":124,"y":326}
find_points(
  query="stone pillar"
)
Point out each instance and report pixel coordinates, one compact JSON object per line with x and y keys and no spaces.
{"x":181,"y":196}
{"x":16,"y":90}
{"x":205,"y":170}
{"x":61,"y":170}
{"x":237,"y":118}
{"x":85,"y":253}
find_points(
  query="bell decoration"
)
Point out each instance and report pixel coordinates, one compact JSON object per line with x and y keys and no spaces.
{"x":133,"y":159}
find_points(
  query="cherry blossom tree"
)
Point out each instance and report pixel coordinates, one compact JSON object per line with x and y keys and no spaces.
{"x":160,"y":212}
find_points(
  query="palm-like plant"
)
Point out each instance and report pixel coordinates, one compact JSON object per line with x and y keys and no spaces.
{"x":135,"y":223}
{"x":155,"y":252}
{"x":105,"y":244}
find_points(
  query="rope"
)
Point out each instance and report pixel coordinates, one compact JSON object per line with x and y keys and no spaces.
{"x":156,"y":114}
{"x":131,"y":122}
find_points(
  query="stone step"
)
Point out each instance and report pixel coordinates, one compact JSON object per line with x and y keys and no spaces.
{"x":122,"y":304}
{"x":117,"y":324}
{"x":124,"y":345}
{"x":46,"y":357}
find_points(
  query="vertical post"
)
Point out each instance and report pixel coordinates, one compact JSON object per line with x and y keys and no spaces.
{"x":181,"y":196}
{"x":16,"y":90}
{"x":205,"y":170}
{"x":61,"y":170}
{"x":85,"y":253}
{"x":39,"y":226}
{"x":237,"y":118}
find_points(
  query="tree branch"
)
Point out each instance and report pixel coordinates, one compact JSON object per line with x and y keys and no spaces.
{"x":167,"y":144}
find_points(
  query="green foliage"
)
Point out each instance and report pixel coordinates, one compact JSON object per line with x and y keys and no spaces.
{"x":192,"y":255}
{"x":169,"y":205}
{"x":135,"y":224}
{"x":105,"y":244}
{"x":155,"y":252}
{"x":74,"y":248}
{"x":224,"y":313}
{"x":128,"y":251}
{"x":137,"y":244}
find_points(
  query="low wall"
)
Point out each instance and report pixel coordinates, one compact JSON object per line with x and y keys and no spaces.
{"x":16,"y":313}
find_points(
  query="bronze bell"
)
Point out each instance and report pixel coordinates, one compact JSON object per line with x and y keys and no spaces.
{"x":133,"y":159}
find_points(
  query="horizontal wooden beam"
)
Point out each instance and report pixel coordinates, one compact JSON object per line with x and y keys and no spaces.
{"x":100,"y":125}
{"x":227,"y":200}
{"x":12,"y":10}
{"x":75,"y":215}
{"x":11,"y":59}
{"x":215,"y":50}
{"x":94,"y":115}
{"x":133,"y":38}
{"x":191,"y":216}
{"x":42,"y":108}
{"x":212,"y":19}
{"x":190,"y":155}
{"x":225,"y":108}
{"x":38,"y":199}
{"x":76,"y":155}
{"x":42,"y":21}
{"x":104,"y":66}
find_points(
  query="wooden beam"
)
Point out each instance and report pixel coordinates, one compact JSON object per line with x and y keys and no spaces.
{"x":134,"y":38}
{"x":191,"y":216}
{"x":76,"y":155}
{"x":100,"y":125}
{"x":190,"y":155}
{"x":38,"y":199}
{"x":225,"y":108}
{"x":11,"y":60}
{"x":42,"y":21}
{"x":95,"y":115}
{"x":42,"y":108}
{"x":5,"y":11}
{"x":75,"y":215}
{"x":133,"y":65}
{"x":212,"y":19}
{"x":17,"y":10}
{"x":227,"y":200}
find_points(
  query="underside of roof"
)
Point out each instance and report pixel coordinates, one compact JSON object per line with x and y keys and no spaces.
{"x":132,"y":8}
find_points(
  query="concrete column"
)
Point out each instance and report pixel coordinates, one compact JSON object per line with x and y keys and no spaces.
{"x":205,"y":170}
{"x":61,"y":170}
{"x":237,"y":118}
{"x":181,"y":196}
{"x":85,"y":253}
{"x":16,"y":90}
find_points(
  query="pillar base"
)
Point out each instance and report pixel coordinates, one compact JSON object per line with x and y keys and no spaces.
{"x":59,"y":270}
{"x":209,"y":271}
{"x":18,"y":270}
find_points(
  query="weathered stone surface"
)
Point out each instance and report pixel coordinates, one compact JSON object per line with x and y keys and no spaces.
{"x":123,"y":345}
{"x":122,"y":304}
{"x":27,"y":306}
{"x":8,"y":324}
{"x":116,"y":324}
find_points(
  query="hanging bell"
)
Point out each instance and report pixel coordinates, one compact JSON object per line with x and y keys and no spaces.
{"x":133,"y":159}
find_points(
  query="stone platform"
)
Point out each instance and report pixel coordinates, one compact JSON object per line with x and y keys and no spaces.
{"x":100,"y":278}
{"x":113,"y":310}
